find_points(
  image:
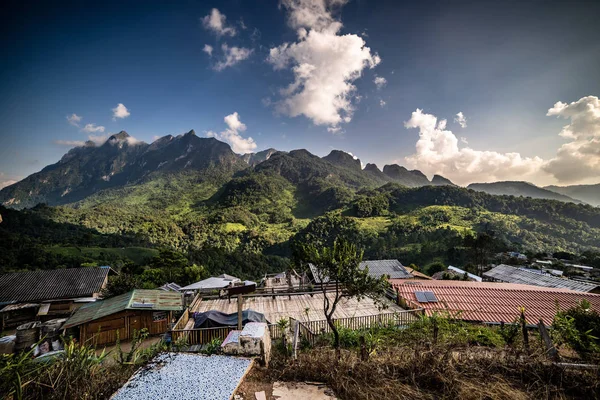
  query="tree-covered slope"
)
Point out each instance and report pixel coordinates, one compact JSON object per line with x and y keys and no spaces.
{"x":520,"y":189}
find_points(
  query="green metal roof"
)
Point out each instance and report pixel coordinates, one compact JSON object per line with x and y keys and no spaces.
{"x":160,"y":300}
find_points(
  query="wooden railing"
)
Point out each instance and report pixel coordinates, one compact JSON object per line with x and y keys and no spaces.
{"x":201,"y":336}
{"x":183,"y":320}
{"x":310,"y":330}
{"x":205,"y":335}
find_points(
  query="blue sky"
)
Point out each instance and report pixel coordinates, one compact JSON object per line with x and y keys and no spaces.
{"x":504,"y":65}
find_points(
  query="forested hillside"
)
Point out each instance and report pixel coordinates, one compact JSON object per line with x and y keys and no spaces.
{"x":222,"y":214}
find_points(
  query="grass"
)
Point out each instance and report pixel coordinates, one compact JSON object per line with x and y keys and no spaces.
{"x":461,"y":361}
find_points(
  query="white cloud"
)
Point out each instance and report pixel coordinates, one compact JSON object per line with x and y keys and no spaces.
{"x":120,"y":111}
{"x":74,"y":119}
{"x":382,"y":103}
{"x":208,"y":49}
{"x":216,"y":22}
{"x":92,"y":128}
{"x":380,"y":81}
{"x":461,"y":120}
{"x":232,"y":135}
{"x":6,"y":181}
{"x":578,"y":159}
{"x":437,"y":152}
{"x":232,"y":56}
{"x":324,"y":63}
{"x":70,"y":143}
{"x":96,"y":139}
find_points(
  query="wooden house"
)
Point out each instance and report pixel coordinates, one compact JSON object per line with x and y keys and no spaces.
{"x":139,"y":309}
{"x":43,"y":295}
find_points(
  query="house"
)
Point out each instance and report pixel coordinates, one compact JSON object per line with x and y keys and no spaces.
{"x":416,"y":274}
{"x":392,"y":269}
{"x":49,"y":294}
{"x":213,"y":283}
{"x":488,"y":302}
{"x":509,"y":274}
{"x":280,"y":281}
{"x":102,"y":321}
{"x":472,"y":277}
{"x":302,"y":307}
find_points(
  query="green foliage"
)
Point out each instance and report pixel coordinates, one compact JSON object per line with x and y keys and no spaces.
{"x":434,"y":267}
{"x":135,"y":352}
{"x":578,"y":328}
{"x":371,"y":206}
{"x":339,"y":264}
{"x":72,"y":374}
{"x":212,"y":347}
{"x":120,"y":284}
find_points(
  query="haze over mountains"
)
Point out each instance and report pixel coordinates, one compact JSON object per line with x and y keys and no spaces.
{"x":123,"y":161}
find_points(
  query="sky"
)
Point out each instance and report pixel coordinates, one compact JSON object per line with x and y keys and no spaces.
{"x":477,"y":91}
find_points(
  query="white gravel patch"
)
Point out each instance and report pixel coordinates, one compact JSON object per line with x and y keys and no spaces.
{"x":180,"y":376}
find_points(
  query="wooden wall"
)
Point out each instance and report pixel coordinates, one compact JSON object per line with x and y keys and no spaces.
{"x":104,"y":330}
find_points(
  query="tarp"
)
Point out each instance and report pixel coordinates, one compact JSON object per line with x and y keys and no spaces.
{"x":215,"y":319}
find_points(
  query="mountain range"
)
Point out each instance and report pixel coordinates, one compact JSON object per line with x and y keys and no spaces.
{"x":123,"y":161}
{"x":196,"y":195}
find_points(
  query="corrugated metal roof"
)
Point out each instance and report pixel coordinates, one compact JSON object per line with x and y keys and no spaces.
{"x":506,"y":273}
{"x":391,"y":268}
{"x":34,"y":286}
{"x":462,"y":272}
{"x":161,"y":300}
{"x":212,"y":283}
{"x":493,"y":302}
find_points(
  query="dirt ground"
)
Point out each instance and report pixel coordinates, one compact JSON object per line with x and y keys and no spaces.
{"x":258,"y":381}
{"x":126,"y":347}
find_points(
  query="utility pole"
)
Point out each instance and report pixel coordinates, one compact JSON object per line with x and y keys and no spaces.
{"x":240,"y":302}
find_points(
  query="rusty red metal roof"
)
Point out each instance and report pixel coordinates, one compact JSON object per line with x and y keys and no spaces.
{"x":492,"y":302}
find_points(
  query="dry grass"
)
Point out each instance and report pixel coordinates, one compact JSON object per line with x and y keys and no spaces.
{"x":437,"y":373}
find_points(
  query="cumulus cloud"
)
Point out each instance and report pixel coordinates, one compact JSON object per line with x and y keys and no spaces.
{"x":208,"y":49}
{"x":578,"y":159}
{"x":232,"y":135}
{"x":120,"y":111}
{"x":92,"y":128}
{"x":74,"y":119}
{"x":324,"y":64}
{"x":231,"y":56}
{"x":437,"y":152}
{"x":216,"y":23}
{"x":461,"y":119}
{"x":380,"y":81}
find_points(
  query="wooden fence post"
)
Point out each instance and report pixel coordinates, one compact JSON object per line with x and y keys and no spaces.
{"x":550,"y":349}
{"x":295,"y":341}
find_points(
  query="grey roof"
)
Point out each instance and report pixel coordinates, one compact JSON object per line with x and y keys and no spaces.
{"x":32,"y":286}
{"x":506,"y":273}
{"x":393,"y":269}
{"x":460,"y":271}
{"x":211,"y":283}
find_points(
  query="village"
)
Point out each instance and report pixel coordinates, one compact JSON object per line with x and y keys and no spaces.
{"x":212,"y":336}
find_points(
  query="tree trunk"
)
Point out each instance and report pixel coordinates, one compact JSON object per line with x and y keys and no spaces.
{"x":336,"y":334}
